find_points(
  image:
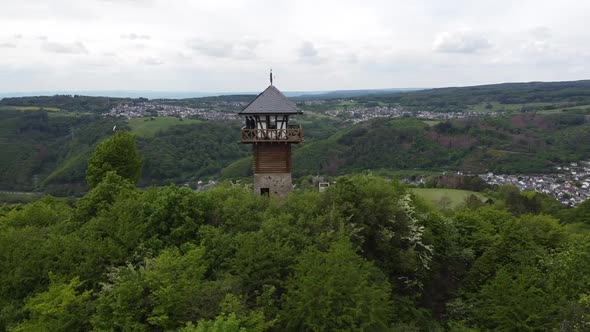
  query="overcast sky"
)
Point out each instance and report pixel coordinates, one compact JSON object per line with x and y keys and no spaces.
{"x":217,"y":45}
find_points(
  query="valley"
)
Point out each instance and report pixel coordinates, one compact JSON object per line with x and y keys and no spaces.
{"x":518,"y":130}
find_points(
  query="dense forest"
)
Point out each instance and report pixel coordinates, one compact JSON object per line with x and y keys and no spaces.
{"x":558,"y":94}
{"x":43,"y":151}
{"x":70,"y":103}
{"x":46,"y":141}
{"x":365,"y":255}
{"x":512,"y":144}
{"x":48,"y":152}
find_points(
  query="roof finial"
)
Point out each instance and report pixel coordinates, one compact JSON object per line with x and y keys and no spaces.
{"x":271,"y":76}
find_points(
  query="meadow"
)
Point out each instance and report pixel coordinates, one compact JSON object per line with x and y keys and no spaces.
{"x":456,"y":197}
{"x":145,"y":127}
{"x":18,"y":197}
{"x":29,"y":108}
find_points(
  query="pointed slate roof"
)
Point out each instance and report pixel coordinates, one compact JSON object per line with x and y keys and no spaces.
{"x":270,"y":101}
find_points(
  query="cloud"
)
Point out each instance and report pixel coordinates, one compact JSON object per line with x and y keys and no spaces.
{"x":212,"y":48}
{"x":130,"y":2}
{"x":151,"y":61}
{"x":242,"y":49}
{"x":64,"y":48}
{"x":346,"y":44}
{"x":460,"y":42}
{"x":12,"y":42}
{"x":537,"y":46}
{"x":179,"y":58}
{"x":245,"y":49}
{"x":309,"y":54}
{"x":307,"y":50}
{"x":139,"y":46}
{"x":541,"y":32}
{"x":352,"y":58}
{"x":8,"y":44}
{"x":134,"y":36}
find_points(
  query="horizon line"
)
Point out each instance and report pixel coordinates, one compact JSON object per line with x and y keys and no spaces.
{"x":119,"y":92}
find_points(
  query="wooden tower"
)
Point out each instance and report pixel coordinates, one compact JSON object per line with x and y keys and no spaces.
{"x":271,"y":135}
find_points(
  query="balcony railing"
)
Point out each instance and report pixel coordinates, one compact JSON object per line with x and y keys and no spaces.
{"x":293,"y":134}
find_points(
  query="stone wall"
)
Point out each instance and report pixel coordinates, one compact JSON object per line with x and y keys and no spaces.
{"x":279,"y":184}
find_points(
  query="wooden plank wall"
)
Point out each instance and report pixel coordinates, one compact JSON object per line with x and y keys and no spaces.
{"x":272,"y":158}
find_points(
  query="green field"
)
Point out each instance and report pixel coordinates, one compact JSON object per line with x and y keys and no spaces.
{"x":29,"y":108}
{"x":347,"y":102}
{"x":431,"y":122}
{"x":51,"y":111}
{"x":496,"y":106}
{"x":561,"y":110}
{"x":436,"y":196}
{"x":146,"y":127}
{"x":67,"y":114}
{"x":18,"y":197}
{"x":309,"y":117}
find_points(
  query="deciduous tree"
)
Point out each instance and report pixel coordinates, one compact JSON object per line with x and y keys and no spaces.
{"x":117,"y":153}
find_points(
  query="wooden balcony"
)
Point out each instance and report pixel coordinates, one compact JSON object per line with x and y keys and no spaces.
{"x":293,"y":134}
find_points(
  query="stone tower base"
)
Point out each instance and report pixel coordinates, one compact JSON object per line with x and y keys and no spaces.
{"x":275,"y":184}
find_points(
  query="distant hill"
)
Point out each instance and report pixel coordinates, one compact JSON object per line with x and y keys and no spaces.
{"x":348,"y":93}
{"x":517,"y":143}
{"x":124,"y":94}
{"x":196,"y":94}
{"x":71,"y":103}
{"x":45,"y":141}
{"x":449,"y":97}
{"x":463,"y":98}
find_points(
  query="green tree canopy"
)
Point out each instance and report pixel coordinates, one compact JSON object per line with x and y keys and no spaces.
{"x":117,"y":153}
{"x":60,"y":308}
{"x":364,"y":255}
{"x":337,"y":290}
